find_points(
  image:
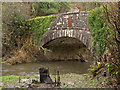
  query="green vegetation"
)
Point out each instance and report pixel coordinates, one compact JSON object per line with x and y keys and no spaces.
{"x":37,"y":26}
{"x":14,"y":80}
{"x":13,"y":17}
{"x":46,"y":8}
{"x":99,"y":31}
{"x":21,"y":32}
{"x":94,"y":69}
{"x":9,"y":78}
{"x":87,"y":6}
{"x":22,"y":29}
{"x":104,"y":28}
{"x":28,"y":40}
{"x":91,"y":5}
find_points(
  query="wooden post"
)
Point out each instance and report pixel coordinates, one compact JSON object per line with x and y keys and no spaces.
{"x":55,"y":77}
{"x":58,"y":77}
{"x":19,"y":79}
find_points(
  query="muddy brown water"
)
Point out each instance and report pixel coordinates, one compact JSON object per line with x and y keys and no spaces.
{"x":63,"y":67}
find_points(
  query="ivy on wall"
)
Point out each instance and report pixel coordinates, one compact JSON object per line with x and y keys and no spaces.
{"x":99,"y":31}
{"x":37,"y":26}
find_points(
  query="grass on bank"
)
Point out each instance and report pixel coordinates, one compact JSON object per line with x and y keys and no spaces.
{"x":71,"y":80}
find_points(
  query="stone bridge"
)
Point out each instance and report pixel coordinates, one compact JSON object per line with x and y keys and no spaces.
{"x":73,"y":25}
{"x":67,"y":37}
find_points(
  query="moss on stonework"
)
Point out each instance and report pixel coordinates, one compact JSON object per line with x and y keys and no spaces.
{"x":37,"y":26}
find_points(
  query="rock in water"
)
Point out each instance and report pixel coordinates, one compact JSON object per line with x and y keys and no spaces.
{"x":44,"y":76}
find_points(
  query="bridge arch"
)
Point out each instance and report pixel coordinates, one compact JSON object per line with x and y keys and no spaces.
{"x":67,"y":37}
{"x":81,"y":35}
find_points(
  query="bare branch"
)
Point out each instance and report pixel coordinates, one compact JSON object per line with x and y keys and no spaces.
{"x":111,"y":20}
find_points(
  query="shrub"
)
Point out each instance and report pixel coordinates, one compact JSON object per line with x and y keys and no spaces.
{"x":13,"y":16}
{"x":99,"y":31}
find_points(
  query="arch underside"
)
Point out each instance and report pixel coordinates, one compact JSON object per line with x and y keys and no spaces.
{"x":64,"y":41}
{"x":65,"y":48}
{"x":78,"y":36}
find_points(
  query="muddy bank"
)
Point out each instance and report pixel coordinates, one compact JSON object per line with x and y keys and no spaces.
{"x":70,"y":80}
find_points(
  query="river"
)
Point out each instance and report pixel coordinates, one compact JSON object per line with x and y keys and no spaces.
{"x":63,"y":67}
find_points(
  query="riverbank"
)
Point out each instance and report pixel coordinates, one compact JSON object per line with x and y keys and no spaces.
{"x":70,"y":80}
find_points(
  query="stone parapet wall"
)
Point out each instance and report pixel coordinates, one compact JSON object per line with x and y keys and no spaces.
{"x":77,"y":21}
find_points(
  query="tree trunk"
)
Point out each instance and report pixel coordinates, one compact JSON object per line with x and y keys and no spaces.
{"x":119,"y":30}
{"x":119,"y":39}
{"x":44,"y":76}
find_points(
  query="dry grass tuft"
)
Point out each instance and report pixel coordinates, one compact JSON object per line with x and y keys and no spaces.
{"x":24,"y":55}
